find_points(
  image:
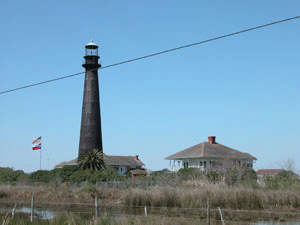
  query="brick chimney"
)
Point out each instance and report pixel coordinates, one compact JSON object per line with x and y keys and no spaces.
{"x":136,"y":157}
{"x":212,"y":139}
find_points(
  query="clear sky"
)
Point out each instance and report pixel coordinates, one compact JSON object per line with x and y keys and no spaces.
{"x":243,"y":89}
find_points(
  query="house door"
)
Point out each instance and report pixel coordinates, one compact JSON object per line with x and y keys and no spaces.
{"x":185,"y":165}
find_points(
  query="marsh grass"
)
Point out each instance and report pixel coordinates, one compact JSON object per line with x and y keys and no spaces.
{"x":195,"y":195}
{"x":59,"y":192}
{"x":105,"y":219}
{"x":189,"y":194}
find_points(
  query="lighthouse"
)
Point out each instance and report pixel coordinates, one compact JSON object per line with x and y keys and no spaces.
{"x":90,"y":131}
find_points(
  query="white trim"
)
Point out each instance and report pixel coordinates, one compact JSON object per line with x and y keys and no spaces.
{"x":208,"y":163}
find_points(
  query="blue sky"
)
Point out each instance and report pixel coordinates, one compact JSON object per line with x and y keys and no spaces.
{"x":244,"y":89}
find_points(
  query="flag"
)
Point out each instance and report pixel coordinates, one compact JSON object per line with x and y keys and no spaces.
{"x":37,"y":146}
{"x":37,"y":140}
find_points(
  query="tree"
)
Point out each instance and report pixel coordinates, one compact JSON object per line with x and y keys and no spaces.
{"x":10,"y":175}
{"x":41,"y":176}
{"x":106,"y":174}
{"x":92,"y":160}
{"x":63,"y":174}
{"x":288,"y":165}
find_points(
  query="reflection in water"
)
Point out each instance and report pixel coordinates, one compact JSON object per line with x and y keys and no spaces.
{"x":50,"y":213}
{"x":42,"y":214}
{"x":278,"y":223}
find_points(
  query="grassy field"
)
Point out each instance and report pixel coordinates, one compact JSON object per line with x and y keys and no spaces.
{"x":188,"y":194}
{"x":172,"y":195}
{"x":59,"y":192}
{"x":195,"y":195}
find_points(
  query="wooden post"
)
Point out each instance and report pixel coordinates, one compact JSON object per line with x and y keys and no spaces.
{"x":223,"y":223}
{"x":208,"y":213}
{"x":146,"y":211}
{"x":32,"y":208}
{"x":13,"y":210}
{"x":96,"y":207}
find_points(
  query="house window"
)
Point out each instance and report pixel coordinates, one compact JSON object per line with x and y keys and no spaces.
{"x":201,"y":163}
{"x":204,"y":164}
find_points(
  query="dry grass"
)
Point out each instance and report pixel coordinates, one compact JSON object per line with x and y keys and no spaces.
{"x":195,"y":195}
{"x":61,"y":192}
{"x":192,"y":194}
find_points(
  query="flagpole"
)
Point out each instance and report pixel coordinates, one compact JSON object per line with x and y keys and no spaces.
{"x":40,"y":158}
{"x":41,"y":154}
{"x":38,"y":146}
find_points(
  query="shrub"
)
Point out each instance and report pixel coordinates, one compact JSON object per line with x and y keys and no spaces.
{"x":214,"y":175}
{"x":105,"y":174}
{"x":189,"y":173}
{"x":41,"y":176}
{"x":240,"y":175}
{"x":66,"y":172}
{"x":79,"y":176}
{"x":9,"y":175}
{"x":24,"y":178}
{"x":159,"y":173}
{"x":249,"y":175}
{"x":281,"y":181}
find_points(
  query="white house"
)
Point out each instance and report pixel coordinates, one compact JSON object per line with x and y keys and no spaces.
{"x":210,"y":155}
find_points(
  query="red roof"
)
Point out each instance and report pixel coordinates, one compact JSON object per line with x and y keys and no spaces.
{"x":138,"y":172}
{"x":267,"y":172}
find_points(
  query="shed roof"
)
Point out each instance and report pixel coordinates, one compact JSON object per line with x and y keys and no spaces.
{"x":268,"y":172}
{"x":209,"y":150}
{"x":110,"y":161}
{"x":138,"y":172}
{"x":114,"y":160}
{"x":274,"y":172}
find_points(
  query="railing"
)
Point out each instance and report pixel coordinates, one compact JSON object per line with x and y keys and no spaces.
{"x":84,"y":62}
{"x":174,"y":168}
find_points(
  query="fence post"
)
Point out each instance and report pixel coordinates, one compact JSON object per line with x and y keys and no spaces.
{"x":32,"y":208}
{"x":146,"y":211}
{"x":208,"y":213}
{"x":96,"y":207}
{"x":223,"y":223}
{"x":13,"y":210}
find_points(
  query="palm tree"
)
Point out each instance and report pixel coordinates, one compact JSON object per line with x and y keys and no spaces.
{"x":93,"y":160}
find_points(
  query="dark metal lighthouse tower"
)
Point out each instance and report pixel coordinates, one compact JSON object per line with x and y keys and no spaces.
{"x":90,"y":132}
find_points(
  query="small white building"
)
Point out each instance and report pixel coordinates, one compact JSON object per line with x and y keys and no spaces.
{"x":122,"y":164}
{"x":210,"y":155}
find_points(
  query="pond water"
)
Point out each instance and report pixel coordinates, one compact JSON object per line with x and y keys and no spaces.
{"x":42,"y":214}
{"x":277,"y":223}
{"x":46,"y":213}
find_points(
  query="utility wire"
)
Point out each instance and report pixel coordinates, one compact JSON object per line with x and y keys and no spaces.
{"x":157,"y":53}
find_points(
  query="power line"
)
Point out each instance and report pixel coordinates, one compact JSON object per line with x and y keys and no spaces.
{"x":157,"y":53}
